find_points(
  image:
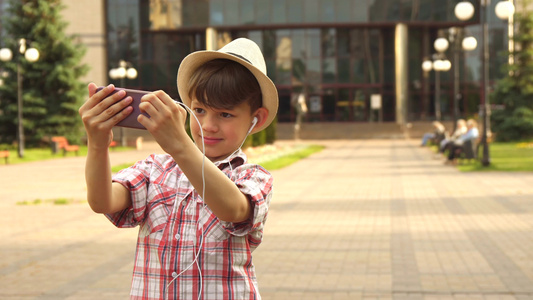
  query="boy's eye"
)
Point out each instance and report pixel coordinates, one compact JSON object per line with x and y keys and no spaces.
{"x":198,"y":110}
{"x":225,"y":115}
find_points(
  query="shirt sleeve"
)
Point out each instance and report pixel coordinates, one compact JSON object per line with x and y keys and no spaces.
{"x":256,"y":184}
{"x":136,"y":180}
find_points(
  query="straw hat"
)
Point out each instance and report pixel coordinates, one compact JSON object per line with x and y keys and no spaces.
{"x":246,"y":53}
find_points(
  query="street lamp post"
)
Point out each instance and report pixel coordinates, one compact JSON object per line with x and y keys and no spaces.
{"x":469,"y":43}
{"x":124,"y":70}
{"x":439,"y":64}
{"x":31,"y":55}
{"x":464,"y":11}
{"x":453,"y":36}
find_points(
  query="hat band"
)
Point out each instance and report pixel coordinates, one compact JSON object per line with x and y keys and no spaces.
{"x":241,"y":57}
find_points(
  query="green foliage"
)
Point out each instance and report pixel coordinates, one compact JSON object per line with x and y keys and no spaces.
{"x":516,"y":127}
{"x":515,"y":121}
{"x":266,"y":136}
{"x":117,"y":168}
{"x":271,"y":130}
{"x":259,"y":138}
{"x":52,"y":91}
{"x":58,"y":201}
{"x":248,"y":142}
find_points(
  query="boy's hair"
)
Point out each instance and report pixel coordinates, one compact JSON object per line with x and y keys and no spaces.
{"x":224,"y":84}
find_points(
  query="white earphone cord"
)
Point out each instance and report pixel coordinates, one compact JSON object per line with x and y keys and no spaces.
{"x":195,"y":261}
{"x":254,"y":122}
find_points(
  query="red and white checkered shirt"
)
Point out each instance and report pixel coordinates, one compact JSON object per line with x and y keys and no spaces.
{"x":173,"y":220}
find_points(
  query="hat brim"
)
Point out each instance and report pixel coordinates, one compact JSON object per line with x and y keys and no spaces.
{"x":194,"y":60}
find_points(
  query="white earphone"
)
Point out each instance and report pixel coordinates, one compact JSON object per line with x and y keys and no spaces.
{"x":254,"y":122}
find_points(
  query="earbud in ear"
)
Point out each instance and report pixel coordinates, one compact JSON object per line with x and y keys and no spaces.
{"x":254,"y":121}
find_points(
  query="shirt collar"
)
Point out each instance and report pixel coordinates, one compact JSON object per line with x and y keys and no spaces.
{"x":236,"y":159}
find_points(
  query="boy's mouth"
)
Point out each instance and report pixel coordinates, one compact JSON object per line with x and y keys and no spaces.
{"x":211,"y":140}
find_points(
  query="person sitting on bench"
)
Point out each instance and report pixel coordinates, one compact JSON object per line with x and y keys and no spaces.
{"x":447,"y":143}
{"x":435,"y":136}
{"x":457,"y":146}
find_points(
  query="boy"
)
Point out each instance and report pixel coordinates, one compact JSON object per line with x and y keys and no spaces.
{"x":195,"y":241}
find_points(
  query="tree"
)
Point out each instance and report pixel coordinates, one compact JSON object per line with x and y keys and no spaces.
{"x":52,"y":91}
{"x":515,"y":92}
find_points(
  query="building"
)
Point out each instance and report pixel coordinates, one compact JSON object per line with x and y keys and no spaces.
{"x":357,"y":61}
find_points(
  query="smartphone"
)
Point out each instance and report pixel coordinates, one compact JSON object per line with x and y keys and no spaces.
{"x":131,"y":120}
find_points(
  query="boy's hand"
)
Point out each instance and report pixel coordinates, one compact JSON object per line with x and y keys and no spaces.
{"x":166,"y":122}
{"x":101,"y":112}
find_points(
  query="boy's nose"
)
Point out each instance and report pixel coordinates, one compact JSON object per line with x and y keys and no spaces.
{"x":209,"y":125}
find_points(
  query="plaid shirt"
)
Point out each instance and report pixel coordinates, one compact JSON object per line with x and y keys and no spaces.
{"x":173,"y":221}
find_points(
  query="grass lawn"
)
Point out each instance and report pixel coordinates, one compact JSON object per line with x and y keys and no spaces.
{"x":503,"y":157}
{"x":37,"y":154}
{"x":274,"y":164}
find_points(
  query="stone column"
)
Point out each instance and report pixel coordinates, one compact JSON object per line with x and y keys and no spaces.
{"x":401,"y":72}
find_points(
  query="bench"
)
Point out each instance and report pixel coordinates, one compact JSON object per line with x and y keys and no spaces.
{"x":60,"y":142}
{"x":4,"y":154}
{"x":439,"y":137}
{"x":468,"y":150}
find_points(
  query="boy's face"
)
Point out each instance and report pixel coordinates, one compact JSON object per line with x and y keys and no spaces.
{"x":224,"y":129}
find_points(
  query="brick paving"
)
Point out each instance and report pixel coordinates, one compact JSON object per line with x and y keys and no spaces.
{"x":363,"y":219}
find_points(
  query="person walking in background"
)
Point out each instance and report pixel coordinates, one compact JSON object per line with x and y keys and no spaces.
{"x":300,"y":105}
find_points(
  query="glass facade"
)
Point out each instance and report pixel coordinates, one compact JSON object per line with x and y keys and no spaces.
{"x":204,"y":13}
{"x":338,"y":52}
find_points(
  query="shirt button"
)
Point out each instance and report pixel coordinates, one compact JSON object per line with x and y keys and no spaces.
{"x":174,"y":274}
{"x":177,"y":236}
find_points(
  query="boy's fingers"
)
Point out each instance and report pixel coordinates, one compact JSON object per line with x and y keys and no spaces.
{"x":160,"y":100}
{"x":145,"y":121}
{"x":95,"y":98}
{"x":103,"y":92}
{"x":121,"y":114}
{"x":114,"y":114}
{"x":92,"y":89}
{"x":164,"y":97}
{"x":172,"y":104}
{"x":155,"y":99}
{"x":148,"y":108}
{"x":108,"y":100}
{"x":109,"y":115}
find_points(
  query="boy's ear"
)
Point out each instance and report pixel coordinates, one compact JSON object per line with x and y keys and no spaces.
{"x":261,"y":114}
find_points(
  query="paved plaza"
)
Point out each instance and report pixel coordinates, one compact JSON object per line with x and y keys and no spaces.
{"x":363,"y":219}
